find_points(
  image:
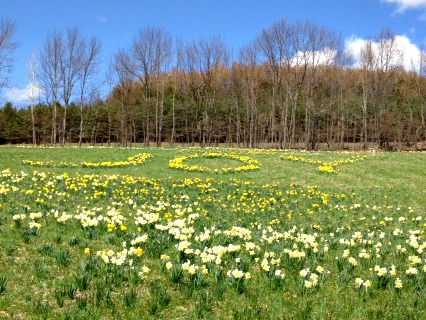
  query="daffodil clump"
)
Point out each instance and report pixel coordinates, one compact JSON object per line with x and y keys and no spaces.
{"x":249,"y":163}
{"x":325,"y":166}
{"x":38,"y":163}
{"x":124,"y":246}
{"x":131,"y":161}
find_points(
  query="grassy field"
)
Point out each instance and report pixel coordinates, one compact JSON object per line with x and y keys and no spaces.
{"x":185,"y":233}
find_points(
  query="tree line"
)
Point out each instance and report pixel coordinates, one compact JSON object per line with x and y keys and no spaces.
{"x":293,"y":86}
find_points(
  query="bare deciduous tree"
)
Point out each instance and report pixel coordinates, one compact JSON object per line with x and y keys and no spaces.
{"x":72,"y":62}
{"x":151,"y":55}
{"x":389,"y":64}
{"x":380,"y":62}
{"x":50,"y":76}
{"x":421,"y":74}
{"x":203,"y":61}
{"x":67,"y":63}
{"x":293,"y":53}
{"x":248,"y":57}
{"x":7,"y":47}
{"x":276,"y":48}
{"x":121,"y":70}
{"x":367,"y":63}
{"x":176,"y":73}
{"x":148,"y":57}
{"x":34,"y":89}
{"x":90,"y":62}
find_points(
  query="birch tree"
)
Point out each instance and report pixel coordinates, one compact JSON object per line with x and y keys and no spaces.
{"x":34,"y":89}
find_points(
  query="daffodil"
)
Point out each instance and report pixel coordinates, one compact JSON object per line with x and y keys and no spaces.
{"x":398,"y":283}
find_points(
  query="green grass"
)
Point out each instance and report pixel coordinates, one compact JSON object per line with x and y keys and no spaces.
{"x":52,"y":262}
{"x":398,"y":175}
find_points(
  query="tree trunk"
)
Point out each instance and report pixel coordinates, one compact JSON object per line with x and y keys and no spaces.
{"x":172,"y":136}
{"x":80,"y":136}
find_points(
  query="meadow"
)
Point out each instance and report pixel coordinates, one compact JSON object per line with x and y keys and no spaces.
{"x":214,"y":233}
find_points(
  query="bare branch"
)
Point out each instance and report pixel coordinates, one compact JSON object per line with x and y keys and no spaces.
{"x":7,"y":47}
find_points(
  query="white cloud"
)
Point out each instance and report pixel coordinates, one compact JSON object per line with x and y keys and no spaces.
{"x":323,"y":57}
{"x":353,"y":46}
{"x":18,"y":96}
{"x":410,"y":52}
{"x":101,"y":18}
{"x":407,"y":4}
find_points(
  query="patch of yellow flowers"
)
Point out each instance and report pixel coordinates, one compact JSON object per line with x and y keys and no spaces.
{"x":133,"y":160}
{"x":280,"y":235}
{"x":324,"y":166}
{"x":249,"y":163}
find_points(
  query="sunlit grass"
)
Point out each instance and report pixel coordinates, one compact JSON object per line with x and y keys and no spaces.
{"x":147,"y":240}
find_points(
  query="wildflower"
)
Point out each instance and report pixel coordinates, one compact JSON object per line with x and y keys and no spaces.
{"x":367,"y":284}
{"x":204,"y":270}
{"x":87,"y":250}
{"x":111,"y":227}
{"x":346,"y":253}
{"x":139,"y":239}
{"x":353,"y":261}
{"x":183,"y":245}
{"x":237,"y":274}
{"x":139,"y":251}
{"x":304,"y":272}
{"x":265,"y":265}
{"x":359,"y":282}
{"x":392,"y":270}
{"x":169,"y":265}
{"x":35,"y":215}
{"x":414,"y":260}
{"x":411,"y":271}
{"x":34,"y":224}
{"x":314,"y":278}
{"x":185,"y":266}
{"x":145,"y":269}
{"x":398,"y":283}
{"x":189,"y":251}
{"x":165,"y":257}
{"x":381,"y":272}
{"x":192,"y":269}
{"x":319,"y":269}
{"x":17,"y":217}
{"x":104,"y":256}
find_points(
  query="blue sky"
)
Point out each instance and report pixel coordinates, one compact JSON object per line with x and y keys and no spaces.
{"x":116,"y":22}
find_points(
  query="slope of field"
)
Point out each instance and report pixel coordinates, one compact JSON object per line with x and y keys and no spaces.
{"x":99,"y":233}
